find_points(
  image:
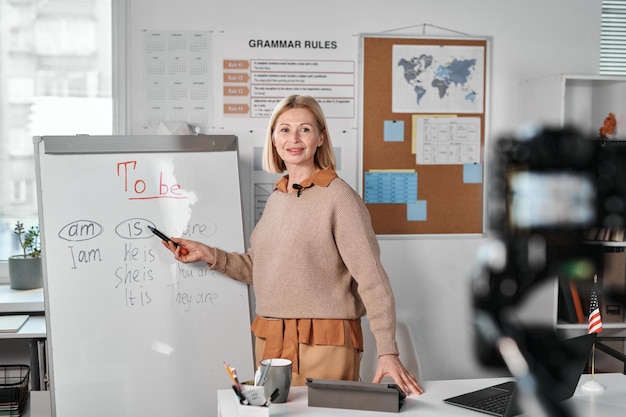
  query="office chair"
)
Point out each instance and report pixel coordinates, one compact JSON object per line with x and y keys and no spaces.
{"x":406,"y":346}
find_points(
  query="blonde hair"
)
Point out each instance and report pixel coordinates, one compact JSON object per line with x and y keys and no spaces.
{"x":324,"y":156}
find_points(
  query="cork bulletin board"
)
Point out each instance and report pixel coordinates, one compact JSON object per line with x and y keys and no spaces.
{"x":423,"y":121}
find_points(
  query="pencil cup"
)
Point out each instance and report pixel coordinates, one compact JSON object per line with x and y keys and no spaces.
{"x":256,"y":401}
{"x":253,"y":393}
{"x":253,"y":411}
{"x":278,"y":376}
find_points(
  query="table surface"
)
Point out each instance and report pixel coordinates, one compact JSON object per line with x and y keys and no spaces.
{"x":21,"y":301}
{"x":24,"y":302}
{"x":611,"y":402}
{"x":34,"y":328}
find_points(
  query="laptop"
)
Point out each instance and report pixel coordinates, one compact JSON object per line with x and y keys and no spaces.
{"x":562,"y":374}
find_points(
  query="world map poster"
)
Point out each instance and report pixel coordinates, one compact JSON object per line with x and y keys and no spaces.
{"x":438,"y":79}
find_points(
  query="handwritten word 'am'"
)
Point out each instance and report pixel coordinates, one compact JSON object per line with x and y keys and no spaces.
{"x":144,"y":189}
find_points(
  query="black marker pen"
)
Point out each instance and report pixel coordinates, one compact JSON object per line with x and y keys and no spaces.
{"x":154,"y":230}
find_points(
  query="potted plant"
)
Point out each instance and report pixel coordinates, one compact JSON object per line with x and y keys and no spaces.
{"x":25,"y":271}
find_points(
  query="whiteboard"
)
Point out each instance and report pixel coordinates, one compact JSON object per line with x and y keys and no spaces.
{"x":131,"y":331}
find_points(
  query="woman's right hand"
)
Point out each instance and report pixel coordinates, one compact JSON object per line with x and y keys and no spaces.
{"x":196,"y":251}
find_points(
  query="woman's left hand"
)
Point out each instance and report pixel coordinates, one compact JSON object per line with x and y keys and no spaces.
{"x":390,"y":365}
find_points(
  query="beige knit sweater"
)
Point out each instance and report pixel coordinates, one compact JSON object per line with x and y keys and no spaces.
{"x":316,"y":256}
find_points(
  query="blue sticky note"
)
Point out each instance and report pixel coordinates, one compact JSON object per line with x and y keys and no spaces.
{"x":416,"y":211}
{"x":394,"y":131}
{"x":473,"y":173}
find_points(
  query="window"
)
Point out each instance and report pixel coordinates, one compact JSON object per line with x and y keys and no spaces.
{"x":57,"y":35}
{"x":55,"y":79}
{"x":17,"y":191}
{"x":20,"y":90}
{"x":613,"y":38}
{"x":20,"y":143}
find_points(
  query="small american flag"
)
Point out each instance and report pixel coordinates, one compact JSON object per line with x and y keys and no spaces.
{"x":595,"y":319}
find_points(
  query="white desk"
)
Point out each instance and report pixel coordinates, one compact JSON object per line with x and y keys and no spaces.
{"x":21,"y":301}
{"x":34,"y":328}
{"x":609,"y":403}
{"x":24,"y":302}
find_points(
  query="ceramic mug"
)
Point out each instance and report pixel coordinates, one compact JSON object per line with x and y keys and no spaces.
{"x":278,"y":376}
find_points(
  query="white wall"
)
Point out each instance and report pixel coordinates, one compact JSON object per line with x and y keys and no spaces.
{"x":530,"y":38}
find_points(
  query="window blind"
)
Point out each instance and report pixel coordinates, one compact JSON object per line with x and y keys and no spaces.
{"x":613,"y":38}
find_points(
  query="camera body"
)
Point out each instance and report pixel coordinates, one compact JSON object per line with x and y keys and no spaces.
{"x":546,"y":191}
{"x":556,"y":182}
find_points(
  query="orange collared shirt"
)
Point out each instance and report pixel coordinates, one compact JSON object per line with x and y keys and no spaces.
{"x":321,"y":178}
{"x":282,"y":336}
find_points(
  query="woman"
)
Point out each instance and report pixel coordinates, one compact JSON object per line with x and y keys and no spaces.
{"x":314,"y":260}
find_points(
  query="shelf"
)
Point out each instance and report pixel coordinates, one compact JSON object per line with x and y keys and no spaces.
{"x":606,"y":243}
{"x":581,"y":101}
{"x":21,"y":301}
{"x":605,"y":326}
{"x":34,"y":328}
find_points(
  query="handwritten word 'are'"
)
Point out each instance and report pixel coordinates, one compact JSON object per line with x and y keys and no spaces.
{"x":141,"y":188}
